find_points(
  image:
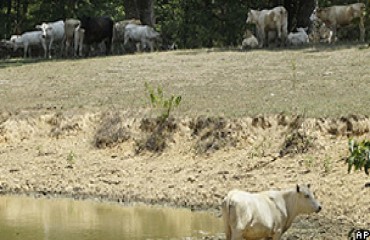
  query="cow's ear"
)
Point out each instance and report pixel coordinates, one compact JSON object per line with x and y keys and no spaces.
{"x":38,"y":26}
{"x":297,"y":188}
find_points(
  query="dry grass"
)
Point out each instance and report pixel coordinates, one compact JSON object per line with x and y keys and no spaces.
{"x":315,"y":81}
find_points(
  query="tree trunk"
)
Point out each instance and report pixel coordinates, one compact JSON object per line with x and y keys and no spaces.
{"x":291,"y":7}
{"x":305,"y":10}
{"x":131,"y":10}
{"x":146,"y":12}
{"x":9,"y":10}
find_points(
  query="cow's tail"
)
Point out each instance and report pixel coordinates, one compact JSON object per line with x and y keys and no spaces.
{"x":226,"y":216}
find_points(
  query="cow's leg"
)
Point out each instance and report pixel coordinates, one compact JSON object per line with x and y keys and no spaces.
{"x":140,"y":46}
{"x":68,"y":45}
{"x":79,"y":40}
{"x":151,"y":45}
{"x":108,"y":46}
{"x":260,"y":37}
{"x":362,"y":30}
{"x":64,"y":41}
{"x":263,"y":38}
{"x":25,"y":50}
{"x":44,"y":46}
{"x":333,"y":37}
{"x":278,"y":39}
{"x":49,"y":47}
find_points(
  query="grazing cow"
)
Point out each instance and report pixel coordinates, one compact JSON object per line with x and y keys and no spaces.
{"x":143,"y":34}
{"x":119,"y":33}
{"x":28,"y":39}
{"x":298,"y":38}
{"x":265,"y":215}
{"x":97,"y":30}
{"x":71,"y":26}
{"x":275,"y":19}
{"x":52,"y":32}
{"x":249,"y":41}
{"x":338,"y":16}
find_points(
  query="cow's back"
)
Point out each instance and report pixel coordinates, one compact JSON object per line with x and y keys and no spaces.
{"x":256,"y":213}
{"x":58,"y":29}
{"x":70,"y":25}
{"x":344,"y":14}
{"x":97,"y":29}
{"x":277,"y":16}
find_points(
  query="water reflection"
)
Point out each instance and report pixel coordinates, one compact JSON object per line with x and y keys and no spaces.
{"x":53,"y":219}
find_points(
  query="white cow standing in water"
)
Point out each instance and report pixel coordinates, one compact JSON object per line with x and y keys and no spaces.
{"x":265,"y":215}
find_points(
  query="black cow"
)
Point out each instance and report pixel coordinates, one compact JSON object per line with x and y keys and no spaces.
{"x":97,"y":30}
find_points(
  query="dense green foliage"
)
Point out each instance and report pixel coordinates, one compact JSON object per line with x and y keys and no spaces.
{"x":359,"y":155}
{"x":190,"y":23}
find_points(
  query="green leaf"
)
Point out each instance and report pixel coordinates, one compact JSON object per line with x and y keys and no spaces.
{"x":350,"y":163}
{"x":177,"y":101}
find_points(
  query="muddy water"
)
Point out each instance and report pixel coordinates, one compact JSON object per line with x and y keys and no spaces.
{"x":53,"y":219}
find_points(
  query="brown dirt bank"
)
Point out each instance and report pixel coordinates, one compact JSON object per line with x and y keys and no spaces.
{"x":106,"y":156}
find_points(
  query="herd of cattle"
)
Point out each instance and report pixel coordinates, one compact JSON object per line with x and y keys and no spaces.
{"x":88,"y":32}
{"x":273,"y":23}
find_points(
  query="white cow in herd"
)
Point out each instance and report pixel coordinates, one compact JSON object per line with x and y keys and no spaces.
{"x":52,"y":32}
{"x":71,"y":37}
{"x":249,"y":41}
{"x":275,"y":19}
{"x":298,"y":38}
{"x":143,"y":34}
{"x":265,"y":215}
{"x":338,"y":16}
{"x":119,"y":33}
{"x":27,"y":40}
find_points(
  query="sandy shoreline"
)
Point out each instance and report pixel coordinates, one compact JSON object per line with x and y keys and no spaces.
{"x":55,"y":155}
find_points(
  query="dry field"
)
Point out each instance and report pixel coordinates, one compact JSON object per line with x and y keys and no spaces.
{"x":250,"y":120}
{"x":315,"y":81}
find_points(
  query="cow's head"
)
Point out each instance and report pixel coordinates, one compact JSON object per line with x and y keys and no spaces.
{"x":302,"y":30}
{"x":306,"y":202}
{"x":45,"y":28}
{"x":313,"y":16}
{"x":321,"y":13}
{"x":14,"y":42}
{"x":252,"y":16}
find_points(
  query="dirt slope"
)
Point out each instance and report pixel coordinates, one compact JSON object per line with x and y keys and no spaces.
{"x":56,"y":154}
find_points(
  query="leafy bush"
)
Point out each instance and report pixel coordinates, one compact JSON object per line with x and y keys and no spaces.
{"x":161,"y":128}
{"x":359,"y":155}
{"x":158,"y":101}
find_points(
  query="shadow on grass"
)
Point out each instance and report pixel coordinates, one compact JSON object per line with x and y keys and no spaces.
{"x":16,"y":62}
{"x":310,"y":48}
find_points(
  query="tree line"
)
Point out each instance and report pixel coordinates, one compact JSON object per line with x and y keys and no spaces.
{"x":189,"y":23}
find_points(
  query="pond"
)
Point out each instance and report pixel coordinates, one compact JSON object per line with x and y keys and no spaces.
{"x":26,"y":218}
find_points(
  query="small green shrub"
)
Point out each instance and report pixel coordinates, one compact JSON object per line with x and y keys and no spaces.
{"x":158,"y":100}
{"x":359,"y":157}
{"x":160,"y":129}
{"x":71,"y":157}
